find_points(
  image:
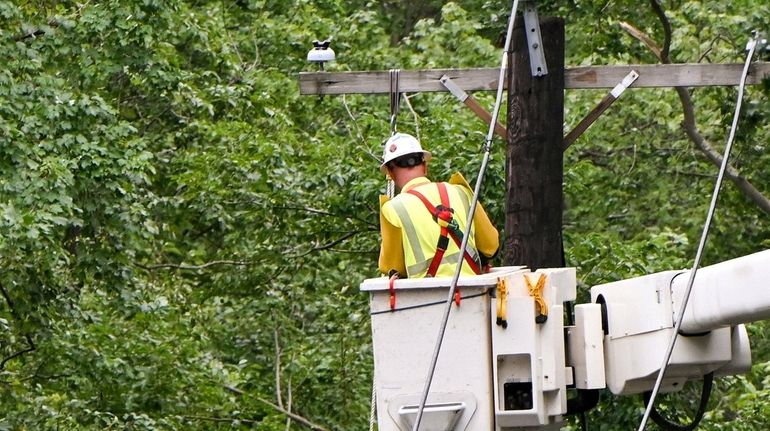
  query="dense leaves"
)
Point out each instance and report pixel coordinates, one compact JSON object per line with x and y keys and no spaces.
{"x":182,"y":234}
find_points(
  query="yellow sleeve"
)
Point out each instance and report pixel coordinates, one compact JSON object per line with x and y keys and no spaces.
{"x":487,"y":237}
{"x":391,"y":249}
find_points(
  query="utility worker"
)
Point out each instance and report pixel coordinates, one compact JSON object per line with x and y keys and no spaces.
{"x":422,"y":227}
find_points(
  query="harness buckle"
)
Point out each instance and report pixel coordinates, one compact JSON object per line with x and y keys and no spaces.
{"x":443,"y":243}
{"x":443,"y":215}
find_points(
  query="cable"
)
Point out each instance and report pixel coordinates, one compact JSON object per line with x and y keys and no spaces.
{"x":427,"y":304}
{"x":395,"y":103}
{"x":715,"y":195}
{"x":395,"y":98}
{"x":667,"y":425}
{"x":373,"y":411}
{"x":471,"y":212}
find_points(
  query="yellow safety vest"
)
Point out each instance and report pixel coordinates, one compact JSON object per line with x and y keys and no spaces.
{"x":420,"y":232}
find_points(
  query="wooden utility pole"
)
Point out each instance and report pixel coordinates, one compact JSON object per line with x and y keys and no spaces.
{"x":534,"y":162}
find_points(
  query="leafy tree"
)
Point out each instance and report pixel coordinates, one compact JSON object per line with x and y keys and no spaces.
{"x":182,"y":234}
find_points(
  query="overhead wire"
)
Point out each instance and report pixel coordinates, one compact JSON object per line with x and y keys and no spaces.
{"x":471,"y":212}
{"x":751,"y":46}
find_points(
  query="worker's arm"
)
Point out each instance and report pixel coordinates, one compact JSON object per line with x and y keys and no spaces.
{"x":391,"y":249}
{"x":487,"y":237}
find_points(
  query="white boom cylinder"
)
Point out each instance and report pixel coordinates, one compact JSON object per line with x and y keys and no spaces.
{"x":726,"y":294}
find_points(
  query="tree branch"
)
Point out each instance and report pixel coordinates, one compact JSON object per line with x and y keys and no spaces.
{"x":325,"y":213}
{"x":30,"y":343}
{"x":642,"y":37}
{"x":196,"y":267}
{"x":664,"y":53}
{"x":327,"y":245}
{"x":294,"y":416}
{"x":278,"y":390}
{"x":359,"y":135}
{"x":690,"y":126}
{"x":414,"y":114}
{"x":731,"y":173}
{"x":31,"y":35}
{"x":277,"y":366}
{"x":44,"y":377}
{"x":289,"y":401}
{"x":53,"y":22}
{"x":31,"y":348}
{"x":717,"y":38}
{"x":213,"y":419}
{"x":186,"y":267}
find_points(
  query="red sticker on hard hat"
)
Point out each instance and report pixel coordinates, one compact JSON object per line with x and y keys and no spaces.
{"x":393,"y":148}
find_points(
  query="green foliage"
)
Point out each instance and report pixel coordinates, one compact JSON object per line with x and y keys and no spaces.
{"x":182,"y":234}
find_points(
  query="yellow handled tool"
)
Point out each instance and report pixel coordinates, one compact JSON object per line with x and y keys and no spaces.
{"x":502,"y":303}
{"x":536,"y":292}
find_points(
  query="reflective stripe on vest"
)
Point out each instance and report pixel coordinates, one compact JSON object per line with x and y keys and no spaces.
{"x":411,"y":234}
{"x":421,"y":267}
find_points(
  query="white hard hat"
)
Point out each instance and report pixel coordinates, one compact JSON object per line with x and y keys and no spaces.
{"x":401,"y":144}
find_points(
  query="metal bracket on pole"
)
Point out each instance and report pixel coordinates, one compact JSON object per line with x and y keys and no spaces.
{"x":605,"y":103}
{"x":474,"y":105}
{"x":534,"y":40}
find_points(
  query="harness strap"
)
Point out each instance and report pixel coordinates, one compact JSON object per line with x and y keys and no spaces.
{"x":446,"y":214}
{"x":444,"y":217}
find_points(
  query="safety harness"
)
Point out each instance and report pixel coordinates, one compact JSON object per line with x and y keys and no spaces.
{"x":443,"y":215}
